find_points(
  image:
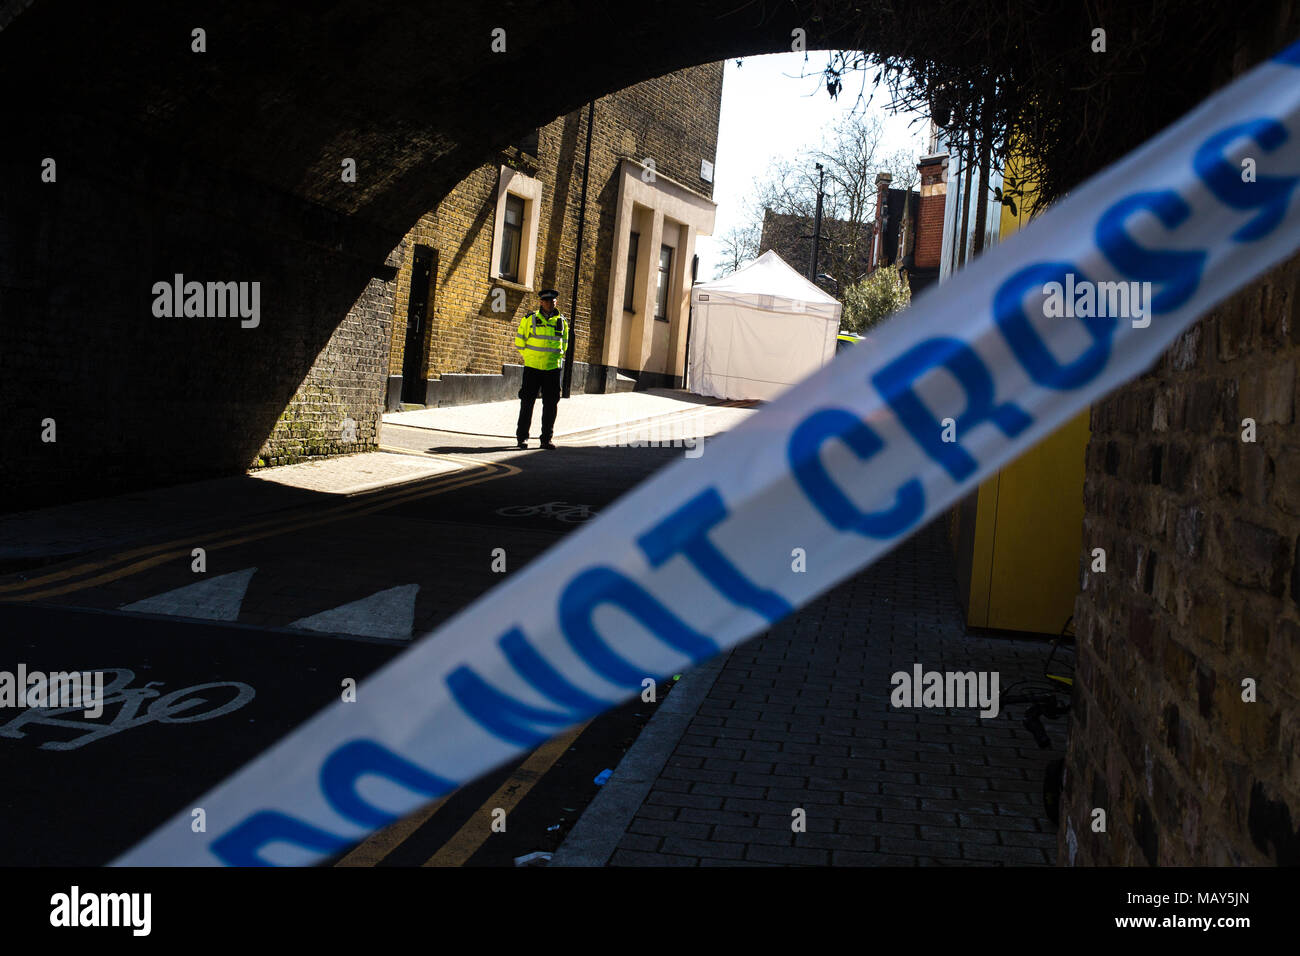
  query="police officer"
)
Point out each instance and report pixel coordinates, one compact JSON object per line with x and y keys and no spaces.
{"x":542,"y":339}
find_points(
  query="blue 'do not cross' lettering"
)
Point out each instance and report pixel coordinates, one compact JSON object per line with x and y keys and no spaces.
{"x":252,"y":795}
{"x":510,"y":719}
{"x":1269,"y":194}
{"x":804,"y":453}
{"x":1028,"y":347}
{"x":604,"y":586}
{"x":1177,"y":270}
{"x":242,"y":844}
{"x":685,"y":532}
{"x":360,"y":758}
{"x":895,"y":380}
{"x":346,"y":764}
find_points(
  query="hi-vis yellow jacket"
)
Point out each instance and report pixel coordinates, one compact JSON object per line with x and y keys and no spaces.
{"x":542,"y":341}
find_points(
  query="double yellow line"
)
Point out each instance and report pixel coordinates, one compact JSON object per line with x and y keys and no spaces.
{"x":114,"y":567}
{"x":466,"y":841}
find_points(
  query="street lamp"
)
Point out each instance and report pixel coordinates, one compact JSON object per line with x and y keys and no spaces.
{"x":817,"y":220}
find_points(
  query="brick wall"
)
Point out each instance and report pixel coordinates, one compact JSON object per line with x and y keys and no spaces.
{"x":1201,"y":591}
{"x":141,"y":399}
{"x":1202,"y":588}
{"x":224,"y":166}
{"x":846,"y":246}
{"x":336,"y":409}
{"x":672,"y":119}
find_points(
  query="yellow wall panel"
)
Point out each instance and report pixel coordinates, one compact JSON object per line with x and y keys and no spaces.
{"x":1024,"y":552}
{"x":977,"y":607}
{"x":1038,"y":532}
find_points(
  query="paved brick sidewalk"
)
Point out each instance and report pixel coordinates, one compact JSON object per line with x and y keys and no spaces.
{"x":351,"y":474}
{"x":578,"y":413}
{"x":800,"y":718}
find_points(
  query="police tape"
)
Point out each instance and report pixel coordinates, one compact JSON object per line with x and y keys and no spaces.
{"x":844,"y":466}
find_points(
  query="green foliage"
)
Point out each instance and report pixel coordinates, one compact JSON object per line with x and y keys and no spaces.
{"x":1036,"y":70}
{"x":874,"y":299}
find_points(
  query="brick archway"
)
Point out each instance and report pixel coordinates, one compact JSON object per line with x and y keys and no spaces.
{"x":226,"y":165}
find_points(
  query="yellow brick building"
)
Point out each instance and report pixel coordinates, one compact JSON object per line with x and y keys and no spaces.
{"x":471,"y":267}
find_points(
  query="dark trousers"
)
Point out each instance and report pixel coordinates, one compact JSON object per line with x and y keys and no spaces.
{"x":548,"y":383}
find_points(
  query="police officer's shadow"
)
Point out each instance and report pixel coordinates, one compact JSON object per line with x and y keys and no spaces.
{"x":472,"y":449}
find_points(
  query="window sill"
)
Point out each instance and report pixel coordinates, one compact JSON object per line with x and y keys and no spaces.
{"x":508,"y":284}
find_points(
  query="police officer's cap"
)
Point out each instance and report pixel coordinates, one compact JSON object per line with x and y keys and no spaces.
{"x":548,"y":294}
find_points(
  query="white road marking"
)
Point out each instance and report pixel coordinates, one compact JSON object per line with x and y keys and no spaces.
{"x":388,"y":614}
{"x":216,"y":599}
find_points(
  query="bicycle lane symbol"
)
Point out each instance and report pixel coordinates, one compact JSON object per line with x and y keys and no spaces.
{"x":559,"y":510}
{"x":176,"y":707}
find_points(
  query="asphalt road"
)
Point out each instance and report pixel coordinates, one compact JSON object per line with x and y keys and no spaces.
{"x":196,"y":699}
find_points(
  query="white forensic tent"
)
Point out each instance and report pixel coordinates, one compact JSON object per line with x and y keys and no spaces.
{"x":758,"y":331}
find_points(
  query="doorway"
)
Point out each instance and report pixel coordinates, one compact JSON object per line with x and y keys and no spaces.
{"x":423,"y":265}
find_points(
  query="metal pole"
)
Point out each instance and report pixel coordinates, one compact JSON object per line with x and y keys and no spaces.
{"x":817,"y":225}
{"x":690,"y":314}
{"x":577,"y":262}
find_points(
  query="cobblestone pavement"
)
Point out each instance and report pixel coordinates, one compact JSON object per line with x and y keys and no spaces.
{"x":800,"y":717}
{"x":354,"y":473}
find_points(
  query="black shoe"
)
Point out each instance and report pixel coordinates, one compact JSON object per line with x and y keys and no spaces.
{"x":548,"y":444}
{"x":522,"y":444}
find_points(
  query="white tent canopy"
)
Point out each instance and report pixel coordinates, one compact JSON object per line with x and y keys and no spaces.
{"x":758,"y":331}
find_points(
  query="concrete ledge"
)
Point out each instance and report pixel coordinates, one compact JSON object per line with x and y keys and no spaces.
{"x":464,"y":388}
{"x":599,"y":379}
{"x":597,"y":833}
{"x":393,"y":397}
{"x":646,"y":380}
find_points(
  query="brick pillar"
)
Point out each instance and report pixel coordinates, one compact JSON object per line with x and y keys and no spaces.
{"x":1201,"y":593}
{"x":1186,"y":724}
{"x":929,"y":215}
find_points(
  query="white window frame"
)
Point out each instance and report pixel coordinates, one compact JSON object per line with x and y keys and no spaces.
{"x":515,"y":183}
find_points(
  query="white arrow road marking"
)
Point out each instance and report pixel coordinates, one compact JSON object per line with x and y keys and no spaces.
{"x":216,"y":599}
{"x":389,"y":614}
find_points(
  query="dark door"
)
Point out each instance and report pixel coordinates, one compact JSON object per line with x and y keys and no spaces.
{"x":417,"y":325}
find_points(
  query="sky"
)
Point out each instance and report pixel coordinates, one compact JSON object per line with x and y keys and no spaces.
{"x":768,"y":112}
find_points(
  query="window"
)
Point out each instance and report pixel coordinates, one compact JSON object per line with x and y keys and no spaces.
{"x":661,"y":293}
{"x":513,"y":258}
{"x":512,"y":236}
{"x":629,"y":287}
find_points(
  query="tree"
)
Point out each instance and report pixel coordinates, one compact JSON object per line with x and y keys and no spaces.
{"x":851,"y":157}
{"x":738,"y":246}
{"x":874,"y":299}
